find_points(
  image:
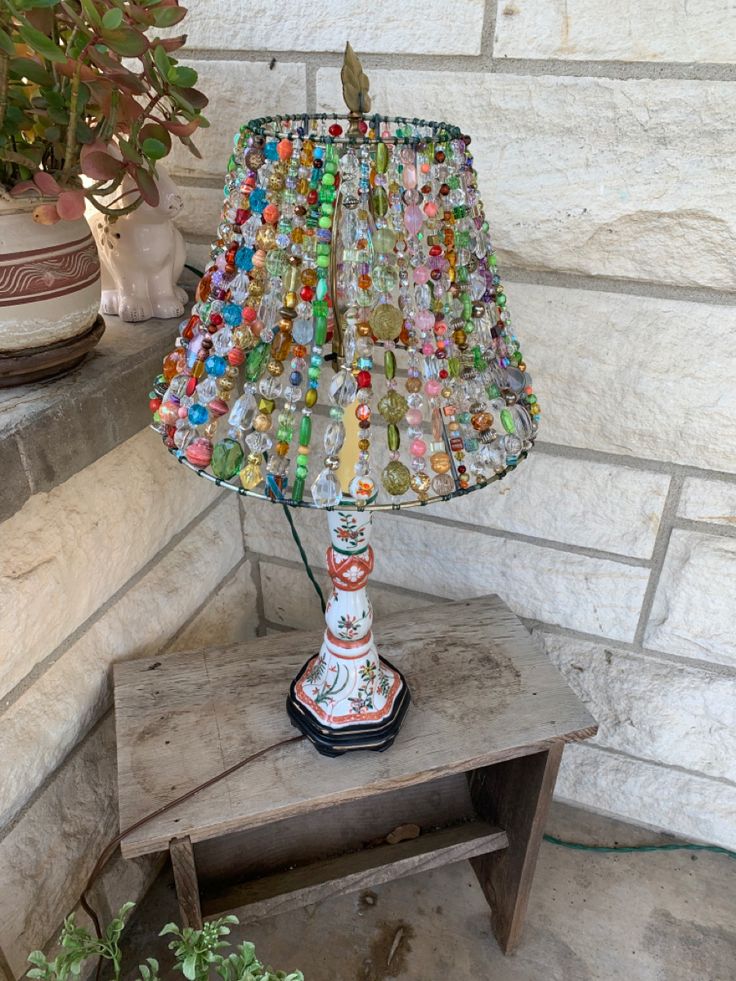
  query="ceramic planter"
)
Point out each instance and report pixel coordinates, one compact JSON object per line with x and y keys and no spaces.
{"x":49,"y":294}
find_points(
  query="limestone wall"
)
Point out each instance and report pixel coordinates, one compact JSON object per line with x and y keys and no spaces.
{"x":123,"y":557}
{"x":604,"y":139}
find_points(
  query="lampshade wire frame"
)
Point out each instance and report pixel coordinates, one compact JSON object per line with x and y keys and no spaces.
{"x":346,"y":505}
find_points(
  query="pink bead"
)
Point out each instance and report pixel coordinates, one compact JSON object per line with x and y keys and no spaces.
{"x":430,"y":209}
{"x":432,"y":387}
{"x":386,"y":134}
{"x":424,"y":320}
{"x":418,"y":447}
{"x":413,"y":417}
{"x":427,"y":349}
{"x":182,"y":413}
{"x":421,"y":275}
{"x":409,"y":177}
{"x":413,"y":219}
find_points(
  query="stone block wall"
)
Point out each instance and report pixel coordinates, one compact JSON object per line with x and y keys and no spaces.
{"x":604,"y":139}
{"x":107,"y":553}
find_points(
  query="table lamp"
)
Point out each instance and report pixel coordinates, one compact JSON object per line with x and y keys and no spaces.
{"x":349,"y":349}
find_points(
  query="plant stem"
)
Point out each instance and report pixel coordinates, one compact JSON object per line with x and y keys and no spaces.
{"x":4,"y":70}
{"x":71,"y":132}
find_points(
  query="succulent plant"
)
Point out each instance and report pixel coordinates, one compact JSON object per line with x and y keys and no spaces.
{"x":86,"y":91}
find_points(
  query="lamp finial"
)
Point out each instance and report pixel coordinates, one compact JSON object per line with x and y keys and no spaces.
{"x":355,"y":85}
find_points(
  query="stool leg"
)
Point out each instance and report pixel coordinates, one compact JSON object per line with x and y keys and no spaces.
{"x":187,"y":884}
{"x":515,"y":796}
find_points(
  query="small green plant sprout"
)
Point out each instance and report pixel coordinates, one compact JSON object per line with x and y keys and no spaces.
{"x":199,"y":955}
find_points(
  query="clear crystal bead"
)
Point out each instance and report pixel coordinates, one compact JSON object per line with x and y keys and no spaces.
{"x":243,"y":410}
{"x":258,"y":442}
{"x":326,"y":491}
{"x":343,"y":388}
{"x":334,"y":438}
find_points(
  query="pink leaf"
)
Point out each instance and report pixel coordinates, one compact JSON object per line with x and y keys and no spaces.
{"x":46,"y":184}
{"x":21,"y":187}
{"x":46,"y":214}
{"x":101,"y":166}
{"x":70,"y":205}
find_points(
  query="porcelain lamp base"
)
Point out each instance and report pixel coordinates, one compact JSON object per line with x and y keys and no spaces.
{"x":347,"y":697}
{"x":375,"y":731}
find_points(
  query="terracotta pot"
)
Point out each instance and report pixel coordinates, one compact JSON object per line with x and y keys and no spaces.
{"x":49,"y":283}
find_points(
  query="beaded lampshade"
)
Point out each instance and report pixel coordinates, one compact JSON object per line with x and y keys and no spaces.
{"x":350,"y":349}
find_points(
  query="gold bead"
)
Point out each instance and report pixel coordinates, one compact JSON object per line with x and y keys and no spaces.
{"x":413,"y":385}
{"x":363,"y":329}
{"x":262,"y":422}
{"x":291,"y":300}
{"x":225,"y":385}
{"x":275,"y":367}
{"x":310,"y":399}
{"x":231,"y":371}
{"x":440,"y":462}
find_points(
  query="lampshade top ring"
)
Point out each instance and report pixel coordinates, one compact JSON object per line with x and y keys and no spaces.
{"x":303,"y":125}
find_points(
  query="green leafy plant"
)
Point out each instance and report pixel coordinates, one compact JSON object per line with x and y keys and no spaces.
{"x":199,"y":954}
{"x":85,"y":91}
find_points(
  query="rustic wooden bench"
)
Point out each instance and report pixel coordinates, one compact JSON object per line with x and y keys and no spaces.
{"x":474,"y":767}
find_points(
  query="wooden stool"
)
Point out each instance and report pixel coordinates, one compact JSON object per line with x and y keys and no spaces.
{"x":474,"y":767}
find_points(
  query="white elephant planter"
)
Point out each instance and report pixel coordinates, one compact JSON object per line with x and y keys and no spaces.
{"x":142,"y":256}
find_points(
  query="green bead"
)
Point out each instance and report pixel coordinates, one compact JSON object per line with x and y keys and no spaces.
{"x":320,"y":331}
{"x":453,"y":367}
{"x":302,"y":459}
{"x":501,"y":299}
{"x":327,"y":208}
{"x":297,"y":490}
{"x":389,"y":364}
{"x":323,"y":261}
{"x":320,"y":309}
{"x":478,"y":362}
{"x":328,"y":179}
{"x":325,"y":222}
{"x":493,"y":392}
{"x":305,"y":431}
{"x":313,"y":374}
{"x":227,"y":458}
{"x":321,"y":289}
{"x":396,"y":478}
{"x":379,"y":201}
{"x":323,"y":248}
{"x":330,"y":167}
{"x":507,"y":421}
{"x":254,"y":361}
{"x":381,"y":158}
{"x":393,"y":437}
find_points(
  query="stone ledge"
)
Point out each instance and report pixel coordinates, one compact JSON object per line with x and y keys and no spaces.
{"x":51,"y":430}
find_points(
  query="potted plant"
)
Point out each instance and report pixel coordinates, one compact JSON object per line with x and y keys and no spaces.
{"x":87,"y":93}
{"x":198,"y":954}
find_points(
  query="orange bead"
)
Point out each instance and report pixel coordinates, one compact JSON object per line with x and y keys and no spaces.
{"x":171,"y":365}
{"x":364,"y":281}
{"x":271,"y":214}
{"x":284,"y":148}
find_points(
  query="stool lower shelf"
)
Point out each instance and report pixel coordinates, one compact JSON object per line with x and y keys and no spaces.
{"x":370,"y":867}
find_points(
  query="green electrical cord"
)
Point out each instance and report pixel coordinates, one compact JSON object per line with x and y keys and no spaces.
{"x":685,"y":846}
{"x":551,"y":839}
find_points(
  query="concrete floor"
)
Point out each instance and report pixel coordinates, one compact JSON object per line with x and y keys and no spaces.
{"x":663,"y":916}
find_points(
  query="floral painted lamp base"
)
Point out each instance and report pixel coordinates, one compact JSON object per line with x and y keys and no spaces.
{"x":347,"y":697}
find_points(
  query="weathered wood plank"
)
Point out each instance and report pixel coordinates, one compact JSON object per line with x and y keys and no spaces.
{"x":360,"y":870}
{"x":186,"y":717}
{"x":185,"y":878}
{"x":515,"y":794}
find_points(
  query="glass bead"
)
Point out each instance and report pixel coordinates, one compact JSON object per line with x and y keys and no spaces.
{"x":197,"y":414}
{"x":392,"y":406}
{"x":396,"y":478}
{"x":334,"y":438}
{"x":343,"y":388}
{"x":326,"y":491}
{"x":227,"y":458}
